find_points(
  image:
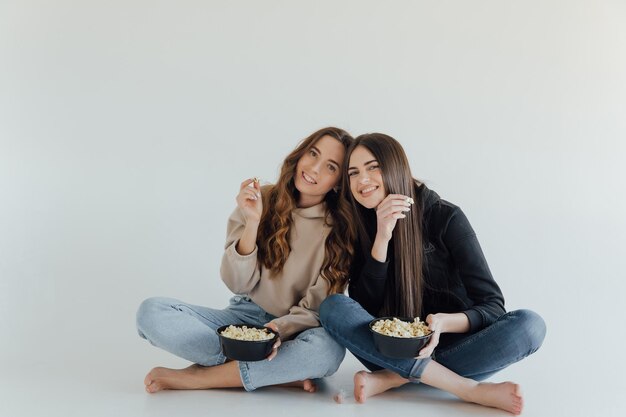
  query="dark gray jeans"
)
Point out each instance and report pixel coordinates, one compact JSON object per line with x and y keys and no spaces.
{"x":511,"y":338}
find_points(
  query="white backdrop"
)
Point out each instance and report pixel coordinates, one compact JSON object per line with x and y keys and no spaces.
{"x":126,"y":127}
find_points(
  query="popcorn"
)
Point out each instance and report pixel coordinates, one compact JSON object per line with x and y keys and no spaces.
{"x":340,"y":396}
{"x":399,"y":328}
{"x":246,"y":333}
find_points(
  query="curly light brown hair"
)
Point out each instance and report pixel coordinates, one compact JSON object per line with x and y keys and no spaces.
{"x":280,"y":200}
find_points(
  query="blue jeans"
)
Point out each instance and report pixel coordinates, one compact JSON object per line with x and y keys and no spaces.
{"x":511,"y":338}
{"x":188,"y":331}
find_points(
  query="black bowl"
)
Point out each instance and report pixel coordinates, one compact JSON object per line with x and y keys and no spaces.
{"x":398,"y":347}
{"x":246,"y":350}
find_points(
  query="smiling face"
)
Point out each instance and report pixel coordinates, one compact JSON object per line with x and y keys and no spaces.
{"x":319,"y":170}
{"x":366,"y":180}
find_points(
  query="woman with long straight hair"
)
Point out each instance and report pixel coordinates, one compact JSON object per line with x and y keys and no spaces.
{"x":288,"y":246}
{"x":418,"y":256}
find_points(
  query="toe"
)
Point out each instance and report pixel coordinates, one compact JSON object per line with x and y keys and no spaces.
{"x":153,"y":387}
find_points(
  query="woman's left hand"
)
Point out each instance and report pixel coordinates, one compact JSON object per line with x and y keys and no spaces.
{"x":274,"y":327}
{"x":435,"y":324}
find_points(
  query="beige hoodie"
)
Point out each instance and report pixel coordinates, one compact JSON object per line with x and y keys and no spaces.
{"x":295,"y":294}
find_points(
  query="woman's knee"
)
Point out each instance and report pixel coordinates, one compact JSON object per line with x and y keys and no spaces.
{"x":322,"y":345}
{"x":330,"y":306}
{"x":148,"y":312}
{"x":532,"y":326}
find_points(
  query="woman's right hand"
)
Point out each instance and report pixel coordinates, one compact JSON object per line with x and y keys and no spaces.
{"x":278,"y":342}
{"x":249,"y":200}
{"x":388,"y":212}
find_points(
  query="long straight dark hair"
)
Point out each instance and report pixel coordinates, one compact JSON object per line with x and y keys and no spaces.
{"x":403,"y":296}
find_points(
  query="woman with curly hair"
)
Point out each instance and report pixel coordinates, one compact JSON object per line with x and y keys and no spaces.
{"x":288,"y":246}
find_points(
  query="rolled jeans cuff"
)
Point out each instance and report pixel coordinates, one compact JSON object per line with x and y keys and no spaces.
{"x":245,"y":376}
{"x":415,"y":375}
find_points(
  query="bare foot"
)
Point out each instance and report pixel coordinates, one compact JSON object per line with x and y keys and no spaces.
{"x":506,"y":396}
{"x":159,"y":379}
{"x":368,"y":384}
{"x":307,"y":385}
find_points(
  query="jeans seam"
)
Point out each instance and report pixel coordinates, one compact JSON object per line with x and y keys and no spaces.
{"x":178,"y":307}
{"x":480,"y":334}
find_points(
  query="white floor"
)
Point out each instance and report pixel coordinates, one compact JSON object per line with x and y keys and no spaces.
{"x":65,"y":386}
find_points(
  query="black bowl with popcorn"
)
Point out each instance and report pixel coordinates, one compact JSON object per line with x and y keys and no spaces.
{"x":246,"y":342}
{"x":399,"y":337}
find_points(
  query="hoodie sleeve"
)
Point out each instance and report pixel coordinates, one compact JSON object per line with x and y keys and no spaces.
{"x":482,"y":289}
{"x":240,"y":273}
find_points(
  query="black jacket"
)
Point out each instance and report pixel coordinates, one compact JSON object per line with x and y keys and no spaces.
{"x":456,"y":274}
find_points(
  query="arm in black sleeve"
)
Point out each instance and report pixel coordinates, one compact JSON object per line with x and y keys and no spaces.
{"x":367,"y":283}
{"x":481,"y":288}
